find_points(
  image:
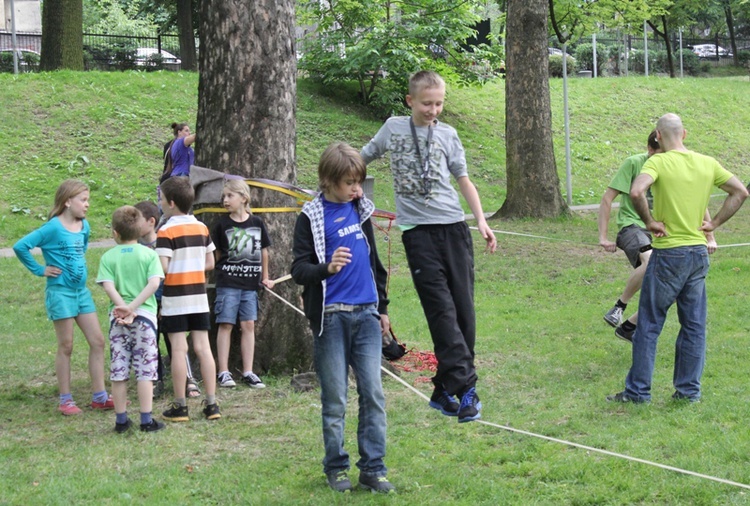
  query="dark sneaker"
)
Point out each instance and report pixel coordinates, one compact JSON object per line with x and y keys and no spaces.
{"x":123,"y":427}
{"x":614,"y":316}
{"x":211,"y":411}
{"x":444,"y":402}
{"x":226,"y":380}
{"x":621,"y":397}
{"x":625,"y":335}
{"x":153,"y":426}
{"x":253,"y":381}
{"x":682,"y":397}
{"x":376,"y":484}
{"x":176,"y":413}
{"x":470,"y":408}
{"x":339,"y":481}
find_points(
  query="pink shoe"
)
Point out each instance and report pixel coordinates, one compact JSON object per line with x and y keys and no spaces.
{"x":69,"y":408}
{"x":108,"y":404}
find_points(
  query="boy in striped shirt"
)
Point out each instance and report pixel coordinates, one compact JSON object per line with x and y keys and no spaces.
{"x":186,"y":251}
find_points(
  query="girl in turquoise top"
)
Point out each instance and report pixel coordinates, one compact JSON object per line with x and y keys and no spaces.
{"x":63,"y":241}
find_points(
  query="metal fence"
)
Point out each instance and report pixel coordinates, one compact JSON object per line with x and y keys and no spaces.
{"x":110,"y":52}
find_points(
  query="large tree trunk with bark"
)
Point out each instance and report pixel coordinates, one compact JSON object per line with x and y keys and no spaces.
{"x":187,"y":37}
{"x":533,"y":184}
{"x":62,"y":35}
{"x":246,"y":126}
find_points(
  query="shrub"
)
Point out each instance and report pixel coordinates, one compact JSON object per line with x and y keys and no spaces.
{"x":585,"y":57}
{"x":556,"y":65}
{"x":637,"y":61}
{"x":690,"y":62}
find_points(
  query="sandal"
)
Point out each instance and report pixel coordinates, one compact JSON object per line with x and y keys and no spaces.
{"x":192,"y":389}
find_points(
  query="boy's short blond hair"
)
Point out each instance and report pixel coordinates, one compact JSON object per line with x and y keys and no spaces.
{"x":425,"y":79}
{"x":179,"y":190}
{"x":337,"y":162}
{"x":126,"y":221}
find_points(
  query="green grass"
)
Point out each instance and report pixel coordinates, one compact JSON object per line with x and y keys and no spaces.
{"x":108,"y":128}
{"x":546,"y":359}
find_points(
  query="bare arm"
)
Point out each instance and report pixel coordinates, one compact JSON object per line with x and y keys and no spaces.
{"x":638,"y":195}
{"x":189,"y":140}
{"x":710,"y":239}
{"x":737,"y":195}
{"x":605,"y":209}
{"x":265,"y":276}
{"x":469,"y":191}
{"x":209,"y":262}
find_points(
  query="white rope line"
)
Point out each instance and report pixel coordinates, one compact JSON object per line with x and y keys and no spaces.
{"x":548,"y":438}
{"x":505,"y":232}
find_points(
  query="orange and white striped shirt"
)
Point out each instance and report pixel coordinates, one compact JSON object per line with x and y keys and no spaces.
{"x":186,"y":242}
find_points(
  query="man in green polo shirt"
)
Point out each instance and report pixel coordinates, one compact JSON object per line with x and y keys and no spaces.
{"x":681,"y":182}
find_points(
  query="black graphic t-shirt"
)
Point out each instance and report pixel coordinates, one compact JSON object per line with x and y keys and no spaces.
{"x":240,"y":245}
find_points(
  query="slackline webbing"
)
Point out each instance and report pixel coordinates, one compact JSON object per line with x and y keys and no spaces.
{"x":548,"y":438}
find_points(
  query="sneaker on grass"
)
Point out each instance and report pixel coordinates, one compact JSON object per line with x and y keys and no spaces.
{"x":625,"y":335}
{"x":108,"y":404}
{"x":153,"y":426}
{"x":444,"y":402}
{"x":69,"y":408}
{"x":614,"y":316}
{"x":339,"y":481}
{"x":252,"y":380}
{"x":470,"y":408}
{"x":226,"y":380}
{"x":624,"y":398}
{"x":176,"y":413}
{"x":121,"y":428}
{"x":376,"y":484}
{"x":211,"y":411}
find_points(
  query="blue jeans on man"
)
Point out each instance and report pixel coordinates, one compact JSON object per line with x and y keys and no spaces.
{"x":352,"y":338}
{"x":673,"y":275}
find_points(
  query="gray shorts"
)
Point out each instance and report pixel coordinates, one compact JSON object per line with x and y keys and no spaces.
{"x":634,"y":240}
{"x":133,"y":347}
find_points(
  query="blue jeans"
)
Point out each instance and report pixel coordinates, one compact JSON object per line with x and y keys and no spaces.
{"x":352,"y":339}
{"x":673,"y":275}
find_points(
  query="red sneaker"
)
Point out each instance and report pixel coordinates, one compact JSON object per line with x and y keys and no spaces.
{"x":108,"y":404}
{"x":69,"y":408}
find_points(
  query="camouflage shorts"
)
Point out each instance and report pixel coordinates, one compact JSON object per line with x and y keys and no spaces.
{"x":133,"y":346}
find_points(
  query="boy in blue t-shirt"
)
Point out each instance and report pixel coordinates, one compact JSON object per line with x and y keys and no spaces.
{"x":345,"y":300}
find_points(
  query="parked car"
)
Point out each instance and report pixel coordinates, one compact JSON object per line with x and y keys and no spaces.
{"x":142,"y":55}
{"x":553,"y":51}
{"x":709,"y":51}
{"x":28,"y":59}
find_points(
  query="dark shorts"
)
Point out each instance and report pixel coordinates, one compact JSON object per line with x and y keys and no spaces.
{"x":185,"y":323}
{"x":634,"y":240}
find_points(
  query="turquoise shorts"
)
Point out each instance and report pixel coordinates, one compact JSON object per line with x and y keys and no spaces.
{"x":62,"y":303}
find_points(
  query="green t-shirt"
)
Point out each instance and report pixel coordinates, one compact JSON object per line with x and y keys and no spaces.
{"x":129,"y":267}
{"x":622,"y":182}
{"x":683,"y":182}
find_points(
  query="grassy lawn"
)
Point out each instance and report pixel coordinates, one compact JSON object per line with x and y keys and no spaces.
{"x":546,"y":359}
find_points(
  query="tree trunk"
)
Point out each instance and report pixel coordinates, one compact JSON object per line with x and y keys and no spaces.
{"x":533,"y":184}
{"x":246,"y":126}
{"x":730,"y":28}
{"x":62,"y":35}
{"x":664,"y":34}
{"x":187,"y":36}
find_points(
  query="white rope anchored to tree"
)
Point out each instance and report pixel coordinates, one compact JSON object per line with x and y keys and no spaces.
{"x":540,"y":436}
